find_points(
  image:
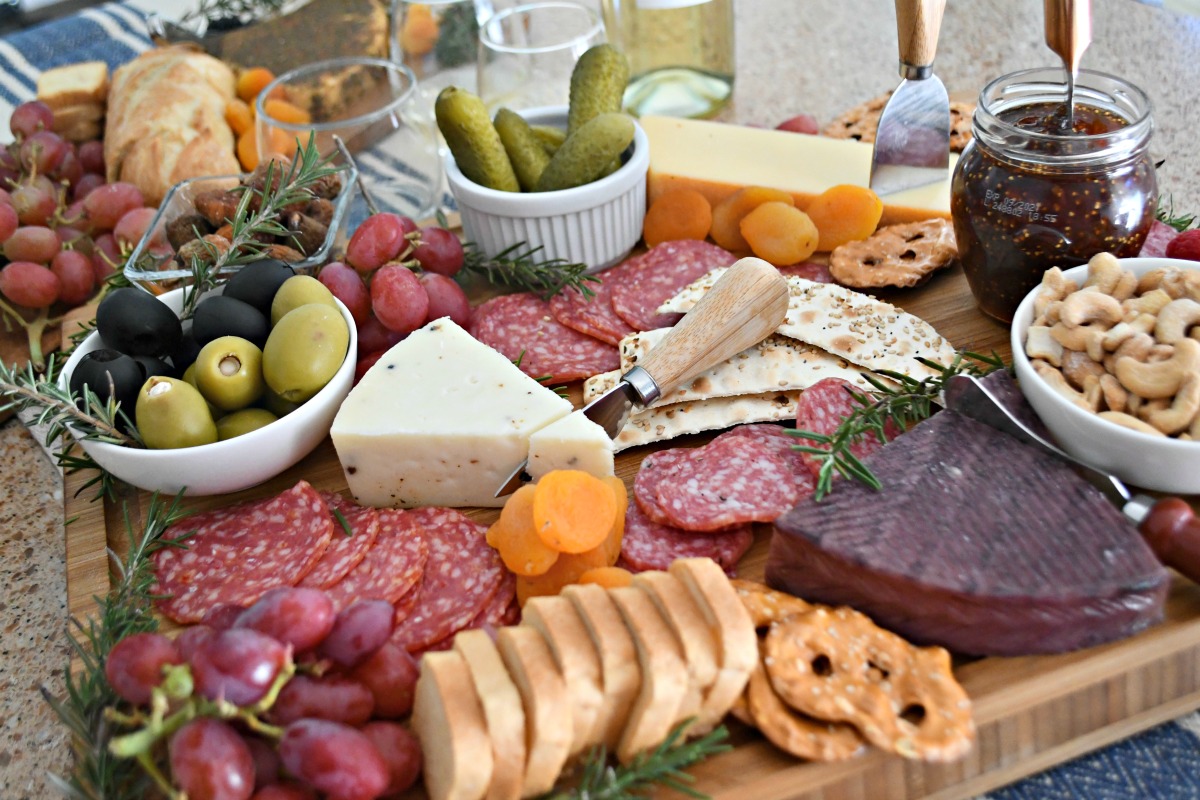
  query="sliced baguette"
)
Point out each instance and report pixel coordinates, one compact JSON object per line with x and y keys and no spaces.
{"x":544,"y":698}
{"x":696,"y":640}
{"x":502,"y":711}
{"x":664,"y":675}
{"x":557,"y":620}
{"x":728,"y":619}
{"x":621,"y":676}
{"x":448,"y":719}
{"x":74,"y":84}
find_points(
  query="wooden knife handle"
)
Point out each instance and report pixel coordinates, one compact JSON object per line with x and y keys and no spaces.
{"x":745,"y":306}
{"x":919,"y":22}
{"x":1173,"y":533}
{"x":1068,"y":29}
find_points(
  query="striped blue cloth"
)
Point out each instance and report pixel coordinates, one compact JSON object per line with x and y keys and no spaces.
{"x":1160,"y":764}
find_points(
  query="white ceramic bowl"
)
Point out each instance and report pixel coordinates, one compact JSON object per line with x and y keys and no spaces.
{"x":1151,"y":462}
{"x":596,"y":224}
{"x":234,"y":464}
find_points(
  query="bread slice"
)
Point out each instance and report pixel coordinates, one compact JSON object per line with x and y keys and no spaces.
{"x":547,"y":707}
{"x":448,"y":719}
{"x":701,"y":654}
{"x":664,"y":674}
{"x":728,"y":619}
{"x":84,"y":83}
{"x":621,"y":676}
{"x":556,"y":619}
{"x":502,"y":711}
{"x":77,"y":113}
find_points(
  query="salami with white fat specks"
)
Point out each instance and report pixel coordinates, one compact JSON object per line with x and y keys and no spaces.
{"x":462,"y":574}
{"x":664,"y":270}
{"x":810,"y":270}
{"x":346,"y":548}
{"x":651,"y":472}
{"x":780,"y":441}
{"x":235,"y":555}
{"x":594,"y":315}
{"x":1157,"y":239}
{"x":502,"y":609}
{"x":821,"y":409}
{"x":392,"y":567}
{"x":648,"y":545}
{"x":521,"y":327}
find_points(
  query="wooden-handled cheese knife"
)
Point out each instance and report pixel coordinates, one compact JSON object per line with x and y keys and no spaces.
{"x":744,"y":307}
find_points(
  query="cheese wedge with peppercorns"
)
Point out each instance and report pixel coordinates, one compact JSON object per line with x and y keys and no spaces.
{"x":573,"y":442}
{"x":440,"y":420}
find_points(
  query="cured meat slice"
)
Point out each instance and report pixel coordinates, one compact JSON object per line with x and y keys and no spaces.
{"x":593,"y":315}
{"x":663,"y":271}
{"x":498,"y":608}
{"x":810,"y":270}
{"x":461,"y":575}
{"x":648,"y":545}
{"x":393,"y":565}
{"x":780,"y":442}
{"x":645,"y":486}
{"x":345,"y":550}
{"x":821,"y":409}
{"x":1157,"y":239}
{"x":521,"y":327}
{"x":235,"y":555}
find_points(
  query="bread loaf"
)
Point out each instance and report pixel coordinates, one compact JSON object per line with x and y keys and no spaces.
{"x":166,"y":121}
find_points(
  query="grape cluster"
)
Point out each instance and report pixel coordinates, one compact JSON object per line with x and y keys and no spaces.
{"x":63,"y":230}
{"x":396,"y":277}
{"x":285,"y":699}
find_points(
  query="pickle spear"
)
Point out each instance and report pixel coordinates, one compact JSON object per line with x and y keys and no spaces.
{"x":597,"y":85}
{"x":524,"y":148}
{"x":463,"y":120}
{"x":586,"y":154}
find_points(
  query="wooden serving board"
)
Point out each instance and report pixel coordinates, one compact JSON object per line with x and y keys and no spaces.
{"x":1032,"y":712}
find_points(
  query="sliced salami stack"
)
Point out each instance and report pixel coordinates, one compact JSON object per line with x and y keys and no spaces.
{"x":821,"y":409}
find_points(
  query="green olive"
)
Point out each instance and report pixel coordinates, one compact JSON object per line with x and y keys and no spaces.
{"x":229,"y":373}
{"x":189,"y":376}
{"x":276,"y":404}
{"x":305,"y":349}
{"x":243,"y":421}
{"x":172,"y":413}
{"x":299,"y":291}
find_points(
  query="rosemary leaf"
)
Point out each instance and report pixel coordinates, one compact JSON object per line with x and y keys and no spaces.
{"x":1166,"y":213}
{"x":517,"y":267}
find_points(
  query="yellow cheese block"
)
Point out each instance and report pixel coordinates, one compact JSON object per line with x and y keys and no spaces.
{"x":717,"y":159}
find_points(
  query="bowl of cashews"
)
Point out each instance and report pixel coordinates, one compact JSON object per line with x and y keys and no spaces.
{"x":1108,"y":355}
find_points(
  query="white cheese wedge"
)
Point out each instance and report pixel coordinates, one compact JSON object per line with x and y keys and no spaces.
{"x":441,"y":419}
{"x":573,"y":442}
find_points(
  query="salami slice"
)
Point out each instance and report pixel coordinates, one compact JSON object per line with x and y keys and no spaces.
{"x":393,"y":566}
{"x":1157,"y":239}
{"x":461,"y":575}
{"x":235,"y":555}
{"x":592,"y":315}
{"x":645,"y":486}
{"x":500,"y":610}
{"x":662,"y":272}
{"x":810,"y":270}
{"x":779,"y":441}
{"x":648,"y":545}
{"x":346,"y":549}
{"x":821,"y":409}
{"x":521,"y":326}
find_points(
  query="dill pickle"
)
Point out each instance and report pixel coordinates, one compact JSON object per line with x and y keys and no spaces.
{"x":463,"y":120}
{"x":597,"y":85}
{"x":550,"y":137}
{"x":587,"y":153}
{"x":524,"y":149}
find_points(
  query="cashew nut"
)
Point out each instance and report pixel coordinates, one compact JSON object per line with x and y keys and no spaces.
{"x":1175,"y":318}
{"x":1055,"y":286}
{"x":1163,"y":378}
{"x":1085,"y":338}
{"x":1082,"y":308}
{"x":1119,"y":333}
{"x":1182,"y":411}
{"x":1149,"y":303}
{"x":1115,"y":395}
{"x":1151,"y":280}
{"x":1133,"y":423}
{"x":1104,"y":272}
{"x":1149,"y":407}
{"x":1040,"y":344}
{"x":1174,"y":284}
{"x":1125,"y":287}
{"x":1077,"y":367}
{"x":1057,"y":382}
{"x":1133,"y":404}
{"x":1160,"y":352}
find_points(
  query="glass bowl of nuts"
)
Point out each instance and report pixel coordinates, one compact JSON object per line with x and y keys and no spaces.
{"x":1108,"y":355}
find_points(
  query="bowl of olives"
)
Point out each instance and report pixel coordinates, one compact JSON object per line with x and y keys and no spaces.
{"x":226,"y":399}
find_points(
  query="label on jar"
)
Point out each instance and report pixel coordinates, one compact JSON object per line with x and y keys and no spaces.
{"x":1015,"y":207}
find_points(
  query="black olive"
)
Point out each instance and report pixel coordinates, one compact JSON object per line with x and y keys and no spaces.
{"x":152,"y":366}
{"x":108,"y":373}
{"x":257,"y":283}
{"x":221,"y":315}
{"x":137,"y":323}
{"x":185,"y":353}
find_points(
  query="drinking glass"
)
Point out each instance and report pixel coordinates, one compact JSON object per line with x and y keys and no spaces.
{"x":369,"y":104}
{"x":439,"y":41}
{"x":527,"y":52}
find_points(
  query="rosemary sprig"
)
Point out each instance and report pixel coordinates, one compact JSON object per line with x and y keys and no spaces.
{"x":663,"y":765}
{"x":517,"y":266}
{"x":241,"y":10}
{"x":1166,"y":213}
{"x":902,"y":405}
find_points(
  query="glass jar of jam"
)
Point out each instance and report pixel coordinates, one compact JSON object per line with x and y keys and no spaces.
{"x":1032,"y":191}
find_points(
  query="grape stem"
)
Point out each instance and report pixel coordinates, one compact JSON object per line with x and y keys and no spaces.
{"x":34,"y":329}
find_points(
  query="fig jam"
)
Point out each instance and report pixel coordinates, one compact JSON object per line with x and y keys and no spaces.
{"x":1029,"y":193}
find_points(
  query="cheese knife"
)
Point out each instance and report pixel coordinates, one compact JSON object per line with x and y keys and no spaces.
{"x":744,"y":307}
{"x":912,"y":142}
{"x":1168,"y":524}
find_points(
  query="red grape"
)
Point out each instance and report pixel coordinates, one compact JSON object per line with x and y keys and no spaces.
{"x":105,"y":205}
{"x":29,"y":118}
{"x":68,"y":169}
{"x":30,"y":285}
{"x":359,"y":630}
{"x":374,"y":338}
{"x":8,"y":221}
{"x":132,"y":226}
{"x":239,"y":665}
{"x":9,"y":161}
{"x":91,"y":157}
{"x":390,"y":675}
{"x":440,"y":251}
{"x":378,"y":240}
{"x":209,"y":761}
{"x":446,"y":299}
{"x":299,"y":617}
{"x":74,"y":271}
{"x":266,"y":762}
{"x":74,"y":239}
{"x":400,"y":750}
{"x":330,"y":697}
{"x":398,"y":299}
{"x":42,"y":152}
{"x":5,"y":197}
{"x":32,"y":243}
{"x":347,"y":286}
{"x":84,"y":186}
{"x":135,"y":665}
{"x":334,"y":758}
{"x":35,"y":200}
{"x":106,"y":256}
{"x":190,"y":639}
{"x":281,"y":791}
{"x":365,"y":363}
{"x":222,"y":617}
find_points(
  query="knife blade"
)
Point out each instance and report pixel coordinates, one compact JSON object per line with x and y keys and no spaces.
{"x":912,"y":142}
{"x":744,"y":307}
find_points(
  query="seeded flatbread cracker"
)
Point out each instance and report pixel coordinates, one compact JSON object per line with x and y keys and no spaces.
{"x":862,"y":122}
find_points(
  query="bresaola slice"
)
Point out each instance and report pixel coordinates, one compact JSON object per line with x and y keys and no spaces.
{"x":392,"y":567}
{"x":346,"y":549}
{"x":648,"y":545}
{"x":662,"y":272}
{"x":1157,"y":239}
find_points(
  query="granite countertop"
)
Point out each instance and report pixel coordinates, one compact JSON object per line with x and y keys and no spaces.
{"x":792,"y":57}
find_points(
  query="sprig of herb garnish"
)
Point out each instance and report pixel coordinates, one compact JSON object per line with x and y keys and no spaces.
{"x":663,"y":766}
{"x":518,"y":266}
{"x":1166,"y":214}
{"x":902,"y":405}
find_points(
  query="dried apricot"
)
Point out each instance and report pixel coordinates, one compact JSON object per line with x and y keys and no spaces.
{"x":247,"y":150}
{"x":608,"y":577}
{"x":253,"y":81}
{"x":239,"y":116}
{"x":844,"y":213}
{"x":566,"y":570}
{"x":780,"y":233}
{"x":727,"y":215}
{"x":513,"y":536}
{"x":419,"y":33}
{"x":283,"y":111}
{"x":573,"y":512}
{"x":677,"y":214}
